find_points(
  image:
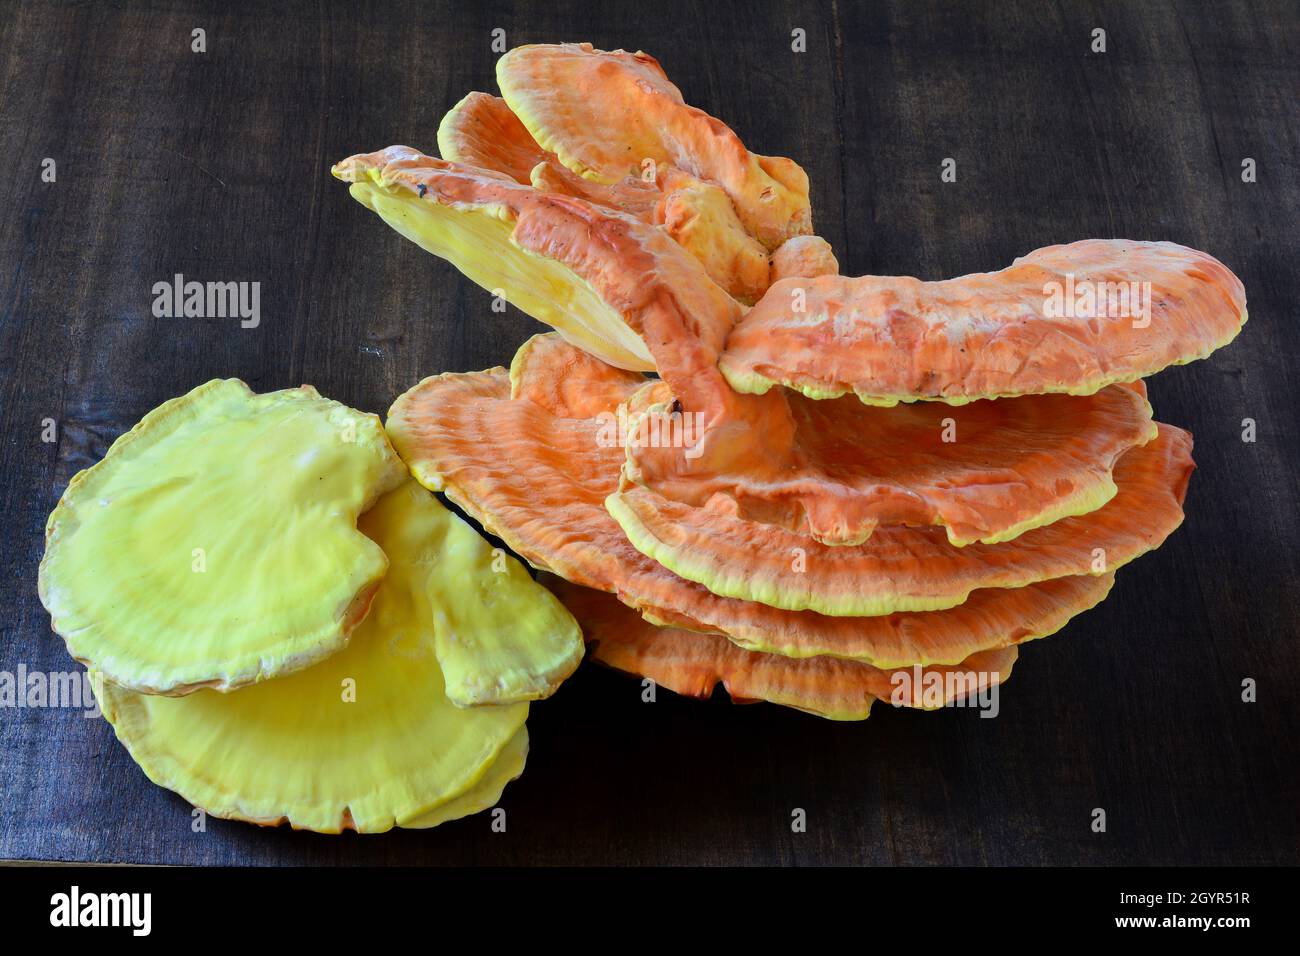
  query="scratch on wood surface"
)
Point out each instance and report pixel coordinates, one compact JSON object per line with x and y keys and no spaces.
{"x":197,"y":164}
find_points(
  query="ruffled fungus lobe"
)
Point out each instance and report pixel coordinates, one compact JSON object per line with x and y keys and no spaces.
{"x":803,"y":257}
{"x":499,"y":637}
{"x":1071,"y":318}
{"x":606,"y":114}
{"x":987,"y":471}
{"x":366,"y":740}
{"x":700,"y":217}
{"x":987,"y":620}
{"x":471,"y":218}
{"x":568,"y":382}
{"x":693,"y":664}
{"x":610,"y":284}
{"x":481,"y":131}
{"x":909,"y":569}
{"x":216,"y":544}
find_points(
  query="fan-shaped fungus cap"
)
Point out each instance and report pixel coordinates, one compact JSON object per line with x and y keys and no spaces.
{"x":365,"y":740}
{"x":216,"y":544}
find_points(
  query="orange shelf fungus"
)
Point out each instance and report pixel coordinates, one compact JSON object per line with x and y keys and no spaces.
{"x":877,"y":470}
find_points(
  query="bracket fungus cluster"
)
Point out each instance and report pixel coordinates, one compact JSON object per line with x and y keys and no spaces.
{"x":285,"y":627}
{"x":786,"y":481}
{"x":733,"y":465}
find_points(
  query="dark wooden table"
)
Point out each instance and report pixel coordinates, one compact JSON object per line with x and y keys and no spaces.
{"x":215,"y":165}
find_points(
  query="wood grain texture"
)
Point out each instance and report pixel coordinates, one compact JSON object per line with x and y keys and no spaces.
{"x":215,"y":165}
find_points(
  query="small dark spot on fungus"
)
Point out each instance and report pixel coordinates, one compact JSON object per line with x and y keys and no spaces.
{"x":423,"y":189}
